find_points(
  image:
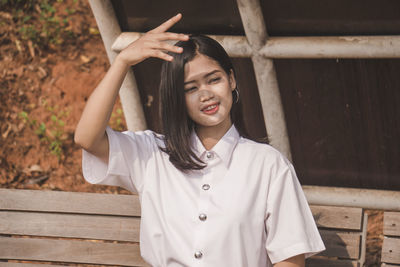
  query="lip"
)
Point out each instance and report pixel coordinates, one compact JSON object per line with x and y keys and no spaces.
{"x":210,"y":111}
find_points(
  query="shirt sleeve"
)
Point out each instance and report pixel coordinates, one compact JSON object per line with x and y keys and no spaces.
{"x":129,"y":154}
{"x":290,"y":226}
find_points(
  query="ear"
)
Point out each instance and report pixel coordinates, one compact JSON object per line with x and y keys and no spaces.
{"x":232,"y":80}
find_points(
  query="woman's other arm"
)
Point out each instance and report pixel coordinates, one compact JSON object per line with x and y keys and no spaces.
{"x":296,"y":261}
{"x":90,"y":132}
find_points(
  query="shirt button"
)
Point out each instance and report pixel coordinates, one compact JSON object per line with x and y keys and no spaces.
{"x":203,"y":217}
{"x":198,"y":254}
{"x":209,"y":155}
{"x":205,"y":186}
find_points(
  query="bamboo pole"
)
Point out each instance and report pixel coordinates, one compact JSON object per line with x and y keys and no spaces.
{"x":333,"y":47}
{"x":235,"y":46}
{"x":299,"y":47}
{"x":129,"y":94}
{"x":352,"y":197}
{"x":256,"y":33}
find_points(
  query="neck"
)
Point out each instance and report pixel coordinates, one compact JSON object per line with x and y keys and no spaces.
{"x":209,"y":136}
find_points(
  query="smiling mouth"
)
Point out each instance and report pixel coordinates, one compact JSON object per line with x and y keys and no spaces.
{"x":211,"y":109}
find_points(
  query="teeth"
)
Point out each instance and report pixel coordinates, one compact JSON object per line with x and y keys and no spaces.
{"x":210,"y":107}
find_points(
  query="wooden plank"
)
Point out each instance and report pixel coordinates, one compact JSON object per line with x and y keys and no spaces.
{"x":391,"y":223}
{"x":345,"y":245}
{"x":391,"y":250}
{"x":314,"y":262}
{"x":69,"y":202}
{"x":23,"y":264}
{"x":71,"y":251}
{"x":389,"y":265}
{"x":337,"y":217}
{"x":70,"y":225}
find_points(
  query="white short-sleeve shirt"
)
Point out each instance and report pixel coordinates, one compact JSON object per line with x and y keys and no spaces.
{"x":245,"y":209}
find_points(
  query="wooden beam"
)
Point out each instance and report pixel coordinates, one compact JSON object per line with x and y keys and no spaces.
{"x":235,"y":46}
{"x":332,"y":47}
{"x":299,"y":47}
{"x":129,"y":94}
{"x":352,"y":197}
{"x":274,"y":118}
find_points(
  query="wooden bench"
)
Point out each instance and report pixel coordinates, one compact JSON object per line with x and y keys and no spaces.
{"x":69,"y":227}
{"x":391,"y":240}
{"x":53,"y":227}
{"x":344,"y":232}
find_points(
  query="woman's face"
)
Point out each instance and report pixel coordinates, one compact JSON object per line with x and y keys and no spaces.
{"x":208,"y":93}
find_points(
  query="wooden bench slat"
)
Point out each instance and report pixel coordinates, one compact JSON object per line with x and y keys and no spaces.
{"x":391,"y":250}
{"x":70,"y":251}
{"x":341,"y":244}
{"x":70,"y":225}
{"x":69,"y":202}
{"x":312,"y":262}
{"x":391,"y":223}
{"x":389,"y":265}
{"x":337,"y":217}
{"x":23,"y":264}
{"x":87,"y":215}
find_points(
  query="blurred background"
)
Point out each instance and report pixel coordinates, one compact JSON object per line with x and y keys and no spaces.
{"x":342,"y":115}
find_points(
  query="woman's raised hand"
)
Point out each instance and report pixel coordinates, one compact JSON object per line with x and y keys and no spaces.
{"x":152,"y":44}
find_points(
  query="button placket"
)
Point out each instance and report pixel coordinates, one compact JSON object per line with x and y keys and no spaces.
{"x":201,"y":228}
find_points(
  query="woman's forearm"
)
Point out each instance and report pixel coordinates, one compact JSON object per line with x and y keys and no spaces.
{"x":90,"y":131}
{"x":96,"y":114}
{"x":296,"y":261}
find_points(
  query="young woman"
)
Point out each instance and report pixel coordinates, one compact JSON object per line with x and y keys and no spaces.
{"x":209,"y":196}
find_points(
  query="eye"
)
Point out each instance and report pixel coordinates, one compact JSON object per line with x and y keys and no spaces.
{"x":215,"y":80}
{"x":190,"y":89}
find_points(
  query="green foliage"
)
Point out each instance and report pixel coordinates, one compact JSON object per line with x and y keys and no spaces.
{"x":37,"y":21}
{"x":117,"y":120}
{"x":52,"y":133}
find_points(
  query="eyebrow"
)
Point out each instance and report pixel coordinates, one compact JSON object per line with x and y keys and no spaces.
{"x":205,"y":76}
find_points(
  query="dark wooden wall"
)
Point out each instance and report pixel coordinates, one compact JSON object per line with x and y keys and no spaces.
{"x":343,"y":116}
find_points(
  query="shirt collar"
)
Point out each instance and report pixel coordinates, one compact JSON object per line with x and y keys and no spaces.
{"x":223,"y":149}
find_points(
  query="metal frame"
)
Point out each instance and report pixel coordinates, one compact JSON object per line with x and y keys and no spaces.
{"x":261,"y":48}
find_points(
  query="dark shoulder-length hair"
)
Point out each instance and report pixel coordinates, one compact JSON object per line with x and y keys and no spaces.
{"x":176,"y":123}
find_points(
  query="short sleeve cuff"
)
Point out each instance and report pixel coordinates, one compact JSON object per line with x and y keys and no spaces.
{"x":296,"y":249}
{"x":95,"y":170}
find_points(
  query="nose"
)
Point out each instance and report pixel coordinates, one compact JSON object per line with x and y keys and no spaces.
{"x":205,"y":94}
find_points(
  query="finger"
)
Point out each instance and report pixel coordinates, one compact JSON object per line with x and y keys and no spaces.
{"x":162,"y":55}
{"x":168,"y":24}
{"x":169,"y":47}
{"x":172,"y":36}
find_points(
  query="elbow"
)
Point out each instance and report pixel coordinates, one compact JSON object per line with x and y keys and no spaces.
{"x":78,"y":140}
{"x":87,"y":140}
{"x":81,"y":141}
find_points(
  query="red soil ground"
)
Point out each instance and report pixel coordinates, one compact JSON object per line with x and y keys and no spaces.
{"x":52,"y":84}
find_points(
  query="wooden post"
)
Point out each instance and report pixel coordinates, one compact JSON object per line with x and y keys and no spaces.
{"x":256,"y":33}
{"x":129,"y":94}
